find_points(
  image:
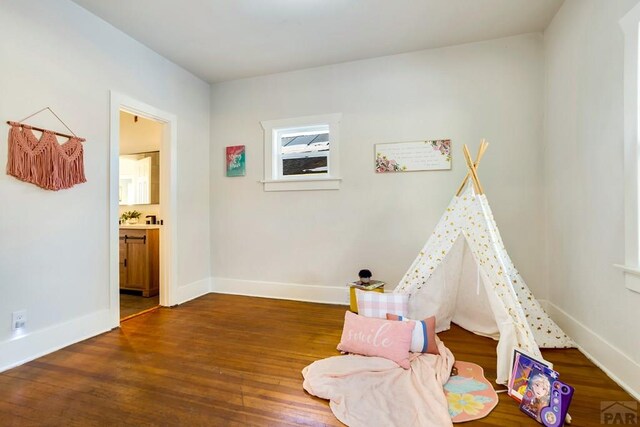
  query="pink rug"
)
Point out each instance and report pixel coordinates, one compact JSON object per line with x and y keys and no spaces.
{"x":469,"y":394}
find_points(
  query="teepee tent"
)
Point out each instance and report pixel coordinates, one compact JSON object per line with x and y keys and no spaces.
{"x":464,"y":275}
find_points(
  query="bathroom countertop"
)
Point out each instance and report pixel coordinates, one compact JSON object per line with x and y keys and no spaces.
{"x":138,"y":226}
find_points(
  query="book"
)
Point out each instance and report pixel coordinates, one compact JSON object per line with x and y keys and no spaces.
{"x":546,"y":398}
{"x":373,"y":284}
{"x":522,"y":366}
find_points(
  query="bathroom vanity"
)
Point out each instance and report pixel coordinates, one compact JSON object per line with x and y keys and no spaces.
{"x":139,"y":259}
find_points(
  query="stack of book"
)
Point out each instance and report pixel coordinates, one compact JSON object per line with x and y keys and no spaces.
{"x":373,"y":284}
{"x":541,"y":394}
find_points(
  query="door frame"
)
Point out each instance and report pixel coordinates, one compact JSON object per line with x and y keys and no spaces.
{"x":168,"y":200}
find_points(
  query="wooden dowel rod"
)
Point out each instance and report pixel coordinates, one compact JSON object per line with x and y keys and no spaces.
{"x":472,"y":169}
{"x":467,"y":156}
{"x":43,"y":130}
{"x":466,"y":178}
{"x":464,"y":182}
{"x":483,"y":147}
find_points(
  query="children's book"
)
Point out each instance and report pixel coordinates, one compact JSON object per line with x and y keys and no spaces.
{"x":521,"y":369}
{"x":546,"y":399}
{"x":373,"y":284}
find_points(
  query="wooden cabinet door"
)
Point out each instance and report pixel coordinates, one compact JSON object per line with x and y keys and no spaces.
{"x":122,"y":262}
{"x":137,"y":262}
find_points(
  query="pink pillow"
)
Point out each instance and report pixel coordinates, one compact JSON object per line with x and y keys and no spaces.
{"x":423,"y":339}
{"x":377,"y":337}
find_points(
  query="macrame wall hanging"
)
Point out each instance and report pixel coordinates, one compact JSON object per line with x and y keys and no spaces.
{"x":44,"y":161}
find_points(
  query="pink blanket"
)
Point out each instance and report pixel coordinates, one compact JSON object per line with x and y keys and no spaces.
{"x":372,"y":391}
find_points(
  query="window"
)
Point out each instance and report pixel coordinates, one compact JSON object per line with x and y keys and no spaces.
{"x":302,"y":153}
{"x":630,"y":26}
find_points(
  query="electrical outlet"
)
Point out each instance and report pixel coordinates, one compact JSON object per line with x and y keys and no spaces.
{"x":18,"y":319}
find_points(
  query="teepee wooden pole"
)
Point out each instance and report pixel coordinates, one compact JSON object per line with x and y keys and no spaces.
{"x":466,"y":178}
{"x":472,"y":170}
{"x":483,"y":147}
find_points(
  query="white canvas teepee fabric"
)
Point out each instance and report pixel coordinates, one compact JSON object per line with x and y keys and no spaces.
{"x":464,"y":274}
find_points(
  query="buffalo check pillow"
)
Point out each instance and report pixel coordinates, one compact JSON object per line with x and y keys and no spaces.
{"x":375,"y":304}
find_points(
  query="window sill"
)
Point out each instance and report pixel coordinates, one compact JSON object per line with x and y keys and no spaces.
{"x":308,"y":184}
{"x":631,"y":277}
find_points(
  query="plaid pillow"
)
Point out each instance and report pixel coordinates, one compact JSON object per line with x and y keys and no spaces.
{"x":375,"y":304}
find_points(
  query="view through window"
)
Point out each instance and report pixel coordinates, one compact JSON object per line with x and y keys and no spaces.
{"x":305,"y":152}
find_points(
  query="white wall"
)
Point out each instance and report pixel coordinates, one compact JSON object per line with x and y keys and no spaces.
{"x":487,"y":90}
{"x":583,"y":159}
{"x":54,"y":245}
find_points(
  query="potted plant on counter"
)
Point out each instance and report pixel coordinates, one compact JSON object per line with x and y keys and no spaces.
{"x":131,"y":217}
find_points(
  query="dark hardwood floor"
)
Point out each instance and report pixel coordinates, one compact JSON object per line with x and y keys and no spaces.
{"x":225,"y":360}
{"x":131,"y":304}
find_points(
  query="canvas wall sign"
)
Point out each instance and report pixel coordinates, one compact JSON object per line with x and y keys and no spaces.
{"x":413,"y":156}
{"x":236,"y":160}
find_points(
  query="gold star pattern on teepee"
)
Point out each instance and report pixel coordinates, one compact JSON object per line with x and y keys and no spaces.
{"x":469,"y":217}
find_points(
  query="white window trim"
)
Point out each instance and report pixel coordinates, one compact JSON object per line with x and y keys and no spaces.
{"x":330,"y":181}
{"x":630,"y":24}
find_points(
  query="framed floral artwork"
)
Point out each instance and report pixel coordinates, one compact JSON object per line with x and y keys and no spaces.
{"x":236,"y":160}
{"x":413,"y":156}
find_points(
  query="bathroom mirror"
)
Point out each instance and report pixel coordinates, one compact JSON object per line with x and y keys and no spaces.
{"x":140,"y":179}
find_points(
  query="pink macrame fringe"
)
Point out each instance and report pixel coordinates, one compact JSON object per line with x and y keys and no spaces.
{"x":44,"y":162}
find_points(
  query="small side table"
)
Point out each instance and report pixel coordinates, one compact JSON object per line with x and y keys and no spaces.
{"x":353,"y":302}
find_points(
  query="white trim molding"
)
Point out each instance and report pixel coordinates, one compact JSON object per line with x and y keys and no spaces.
{"x":299,"y":184}
{"x":289,"y":291}
{"x":630,"y":24}
{"x":273,"y":179}
{"x":168,"y":196}
{"x":193,"y":290}
{"x":30,"y":346}
{"x":631,"y":277}
{"x":616,"y":364}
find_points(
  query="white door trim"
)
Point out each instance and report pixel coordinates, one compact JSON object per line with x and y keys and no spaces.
{"x":168,"y":198}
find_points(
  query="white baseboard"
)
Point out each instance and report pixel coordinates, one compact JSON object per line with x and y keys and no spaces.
{"x":290,"y":291}
{"x":193,"y":290}
{"x":29,"y":346}
{"x":616,"y":364}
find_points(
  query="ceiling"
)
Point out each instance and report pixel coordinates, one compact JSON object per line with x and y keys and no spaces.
{"x":220,"y":40}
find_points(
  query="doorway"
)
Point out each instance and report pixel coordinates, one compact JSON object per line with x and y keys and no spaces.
{"x":142,"y":208}
{"x":139,"y":209}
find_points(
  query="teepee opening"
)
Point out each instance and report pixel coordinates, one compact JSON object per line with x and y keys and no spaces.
{"x":462,"y":298}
